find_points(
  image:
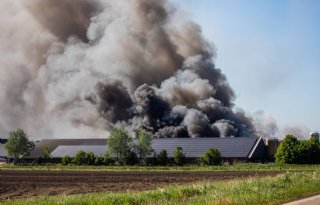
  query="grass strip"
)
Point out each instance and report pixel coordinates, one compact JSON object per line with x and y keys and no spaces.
{"x":267,"y":190}
{"x":234,"y":167}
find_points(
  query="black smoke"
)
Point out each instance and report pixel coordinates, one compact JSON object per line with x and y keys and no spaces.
{"x":80,"y":67}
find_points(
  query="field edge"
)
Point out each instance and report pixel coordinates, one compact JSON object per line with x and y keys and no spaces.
{"x":256,"y":190}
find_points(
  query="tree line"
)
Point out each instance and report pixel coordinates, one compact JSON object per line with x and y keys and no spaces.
{"x":121,"y":151}
{"x":294,"y":151}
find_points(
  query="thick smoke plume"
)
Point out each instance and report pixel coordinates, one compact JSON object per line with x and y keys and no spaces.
{"x":77,"y":68}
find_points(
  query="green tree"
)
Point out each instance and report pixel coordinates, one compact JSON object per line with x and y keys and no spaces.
{"x":144,"y":147}
{"x":66,"y":160}
{"x":131,"y":158}
{"x":211,"y":157}
{"x":107,"y":160}
{"x":90,"y":158}
{"x":46,"y":155}
{"x":18,"y":144}
{"x":80,"y":158}
{"x":152,"y":160}
{"x":308,"y":152}
{"x":288,"y":150}
{"x":98,"y":160}
{"x":120,"y":144}
{"x":162,"y":158}
{"x":179,"y":157}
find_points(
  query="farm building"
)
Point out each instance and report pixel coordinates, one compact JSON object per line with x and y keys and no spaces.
{"x":232,"y":149}
{"x":3,"y":152}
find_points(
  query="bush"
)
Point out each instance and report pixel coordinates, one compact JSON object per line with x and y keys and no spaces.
{"x":107,"y":160}
{"x":66,"y":160}
{"x":131,"y":159}
{"x":309,"y":152}
{"x":179,"y":157}
{"x":40,"y":161}
{"x":90,"y":158}
{"x":80,"y":158}
{"x":162,"y":158}
{"x":292,"y":151}
{"x":287,"y":152}
{"x":98,"y":160}
{"x":211,"y":157}
{"x":152,"y":160}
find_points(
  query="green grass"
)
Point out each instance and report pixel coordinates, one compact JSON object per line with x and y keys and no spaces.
{"x":267,"y":190}
{"x":234,"y":167}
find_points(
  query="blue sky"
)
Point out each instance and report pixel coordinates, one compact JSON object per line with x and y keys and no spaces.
{"x":269,"y":51}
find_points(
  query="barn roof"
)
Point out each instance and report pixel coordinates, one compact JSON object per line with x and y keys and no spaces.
{"x":71,"y":150}
{"x":54,"y":143}
{"x":195,"y":147}
{"x":245,"y":147}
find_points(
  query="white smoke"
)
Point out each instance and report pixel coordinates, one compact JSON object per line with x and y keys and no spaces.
{"x":266,"y":126}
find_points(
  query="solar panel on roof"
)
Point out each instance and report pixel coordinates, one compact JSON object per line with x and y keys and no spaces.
{"x":54,"y":143}
{"x":192,"y":147}
{"x":71,"y":150}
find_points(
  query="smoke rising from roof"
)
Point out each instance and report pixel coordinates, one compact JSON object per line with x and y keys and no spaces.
{"x":78,"y":68}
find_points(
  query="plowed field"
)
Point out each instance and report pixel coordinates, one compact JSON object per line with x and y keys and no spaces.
{"x":23,"y":184}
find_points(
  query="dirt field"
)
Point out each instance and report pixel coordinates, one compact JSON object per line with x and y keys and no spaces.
{"x":22,"y":184}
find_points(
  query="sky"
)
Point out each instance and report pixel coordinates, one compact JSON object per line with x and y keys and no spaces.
{"x":270,"y":53}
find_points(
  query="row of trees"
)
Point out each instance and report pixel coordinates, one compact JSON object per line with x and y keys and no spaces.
{"x":122,"y":148}
{"x":211,"y":157}
{"x":294,"y":151}
{"x":126,"y":152}
{"x":89,"y":158}
{"x":122,"y":151}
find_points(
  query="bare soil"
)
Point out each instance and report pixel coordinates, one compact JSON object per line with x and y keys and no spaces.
{"x":24,"y":184}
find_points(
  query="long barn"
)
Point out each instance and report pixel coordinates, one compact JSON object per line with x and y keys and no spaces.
{"x":232,"y":149}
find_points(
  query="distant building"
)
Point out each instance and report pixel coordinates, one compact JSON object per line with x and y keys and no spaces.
{"x":231,"y":149}
{"x":315,"y":135}
{"x":3,"y":152}
{"x":272,"y":145}
{"x":3,"y":141}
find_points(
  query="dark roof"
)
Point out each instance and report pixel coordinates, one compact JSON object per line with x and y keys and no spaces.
{"x":245,"y":147}
{"x":259,"y":150}
{"x":195,"y":147}
{"x":54,"y":143}
{"x":71,"y":150}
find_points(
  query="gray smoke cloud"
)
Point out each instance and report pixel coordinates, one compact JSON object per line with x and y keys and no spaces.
{"x":64,"y":18}
{"x":266,"y":126}
{"x":77,"y":68}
